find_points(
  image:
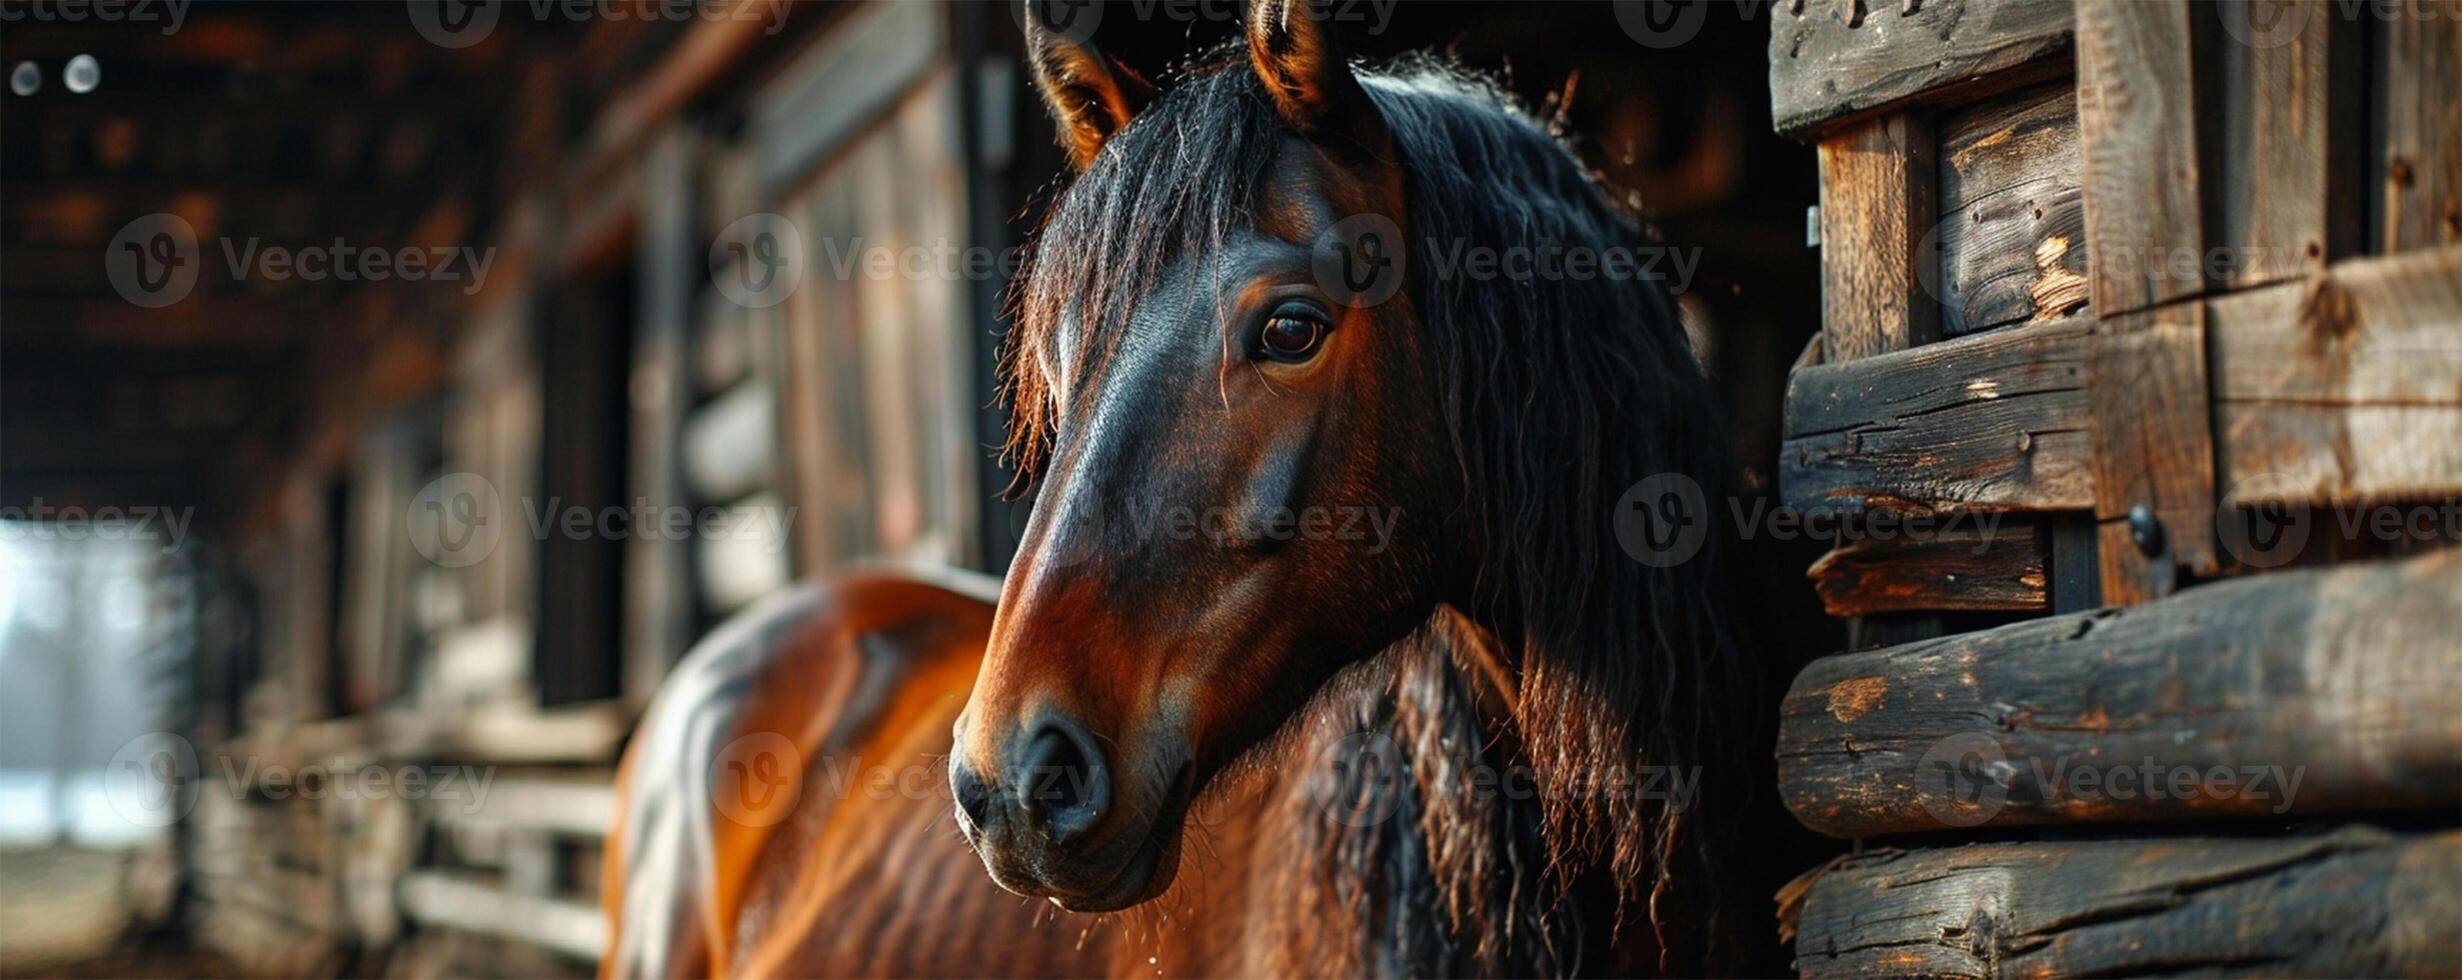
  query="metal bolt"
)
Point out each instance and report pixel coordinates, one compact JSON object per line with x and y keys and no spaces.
{"x":2145,"y":530}
{"x":82,"y":74}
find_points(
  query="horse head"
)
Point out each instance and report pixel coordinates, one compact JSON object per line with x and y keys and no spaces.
{"x":1269,"y":440}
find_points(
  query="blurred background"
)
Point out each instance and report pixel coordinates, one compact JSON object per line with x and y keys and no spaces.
{"x":392,"y":392}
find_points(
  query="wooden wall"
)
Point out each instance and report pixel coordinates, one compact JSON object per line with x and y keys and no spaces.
{"x":2159,"y":287}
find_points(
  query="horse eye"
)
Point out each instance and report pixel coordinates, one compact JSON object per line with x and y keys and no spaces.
{"x":1291,"y":338}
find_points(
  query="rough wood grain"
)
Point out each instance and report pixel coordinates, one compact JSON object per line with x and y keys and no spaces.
{"x":2137,"y":139}
{"x":1832,"y":59}
{"x":2345,"y":388}
{"x":2357,"y":901}
{"x":2421,"y":170}
{"x":1997,"y":420}
{"x":1967,"y":568}
{"x":2289,"y":137}
{"x":2344,"y":678}
{"x":2153,"y":447}
{"x":1877,"y":203}
{"x":2012,"y":229}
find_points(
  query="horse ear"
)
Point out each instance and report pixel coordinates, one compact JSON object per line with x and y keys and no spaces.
{"x":1090,"y":95}
{"x":1292,"y":46}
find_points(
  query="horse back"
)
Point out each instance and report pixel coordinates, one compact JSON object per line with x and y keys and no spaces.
{"x":725,"y":754}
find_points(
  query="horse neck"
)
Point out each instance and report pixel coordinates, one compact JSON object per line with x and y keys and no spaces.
{"x":1389,"y":863}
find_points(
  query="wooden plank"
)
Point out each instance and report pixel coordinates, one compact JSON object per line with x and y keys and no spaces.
{"x":1963,"y":569}
{"x":2137,"y":139}
{"x":2153,"y":448}
{"x":575,"y":929}
{"x":1997,"y":420}
{"x":2421,"y":98}
{"x":2013,"y":219}
{"x":1877,"y":205}
{"x":2357,"y":901}
{"x":2336,"y":684}
{"x":2286,"y":160}
{"x":1831,"y":59}
{"x":2346,"y":388}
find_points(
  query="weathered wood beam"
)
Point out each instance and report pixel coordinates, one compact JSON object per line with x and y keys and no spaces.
{"x":2012,"y":217}
{"x":1963,"y":569}
{"x":2345,"y":388}
{"x":2354,"y":902}
{"x":1878,"y":199}
{"x":1831,"y":60}
{"x":2137,"y":121}
{"x":2343,"y":680}
{"x":1997,"y":420}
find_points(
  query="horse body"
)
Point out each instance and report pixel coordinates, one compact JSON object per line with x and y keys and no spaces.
{"x":1311,"y":865}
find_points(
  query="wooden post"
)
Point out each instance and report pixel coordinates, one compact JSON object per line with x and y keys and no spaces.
{"x":2137,"y":134}
{"x":1878,"y":202}
{"x":2422,"y":165}
{"x":2153,"y":450}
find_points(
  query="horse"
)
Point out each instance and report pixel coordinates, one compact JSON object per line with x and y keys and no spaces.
{"x":1319,"y":654}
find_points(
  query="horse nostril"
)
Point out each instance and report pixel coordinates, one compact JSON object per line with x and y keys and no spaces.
{"x":974,"y":798}
{"x":1065,"y":787}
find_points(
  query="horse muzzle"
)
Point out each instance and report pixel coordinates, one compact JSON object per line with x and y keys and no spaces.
{"x":1057,"y":821}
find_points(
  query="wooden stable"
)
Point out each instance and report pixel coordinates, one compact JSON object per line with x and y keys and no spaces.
{"x":2172,"y":292}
